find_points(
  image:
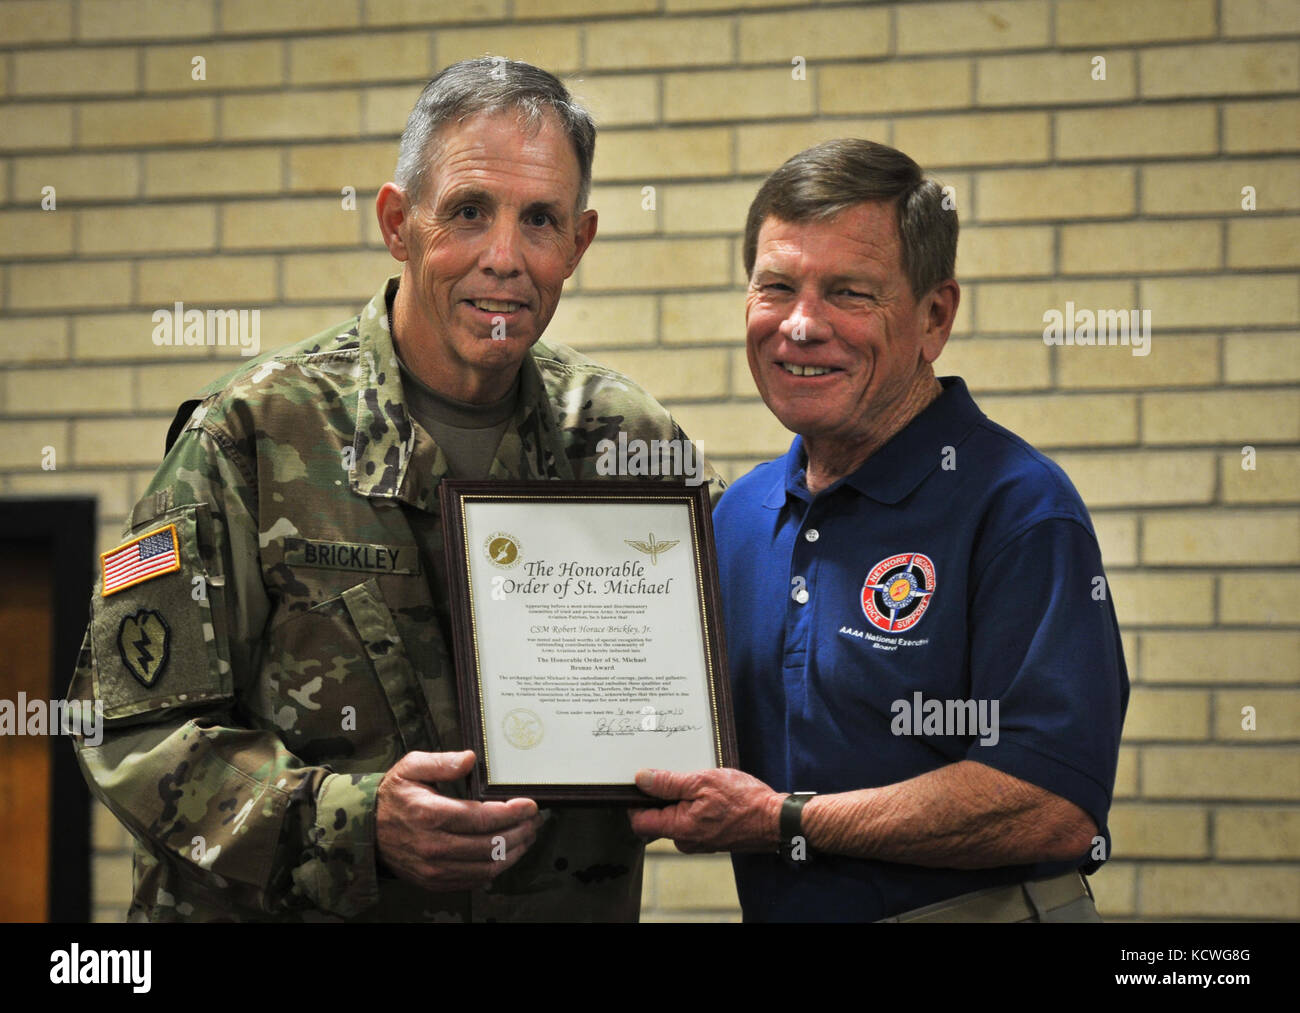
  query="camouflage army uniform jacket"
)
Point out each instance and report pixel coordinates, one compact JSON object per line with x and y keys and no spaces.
{"x":245,"y":750}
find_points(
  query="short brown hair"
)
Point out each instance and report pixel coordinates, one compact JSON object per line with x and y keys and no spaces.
{"x":834,"y":176}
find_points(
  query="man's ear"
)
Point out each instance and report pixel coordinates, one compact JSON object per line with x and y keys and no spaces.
{"x":940,"y":310}
{"x":584,"y":233}
{"x":391,"y":209}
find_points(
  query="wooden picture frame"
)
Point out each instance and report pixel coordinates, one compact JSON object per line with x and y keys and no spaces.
{"x":565,"y":716}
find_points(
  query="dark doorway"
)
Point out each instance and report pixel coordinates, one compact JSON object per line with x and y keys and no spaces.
{"x":46,"y":574}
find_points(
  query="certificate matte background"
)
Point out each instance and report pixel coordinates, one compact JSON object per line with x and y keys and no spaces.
{"x":590,"y":534}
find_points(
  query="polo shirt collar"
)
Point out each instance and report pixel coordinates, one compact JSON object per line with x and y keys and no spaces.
{"x":895,"y":470}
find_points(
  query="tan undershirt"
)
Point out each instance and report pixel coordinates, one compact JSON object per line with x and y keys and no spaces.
{"x":467,"y":434}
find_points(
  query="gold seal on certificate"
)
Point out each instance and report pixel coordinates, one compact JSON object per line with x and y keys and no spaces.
{"x":523,"y":728}
{"x":502,"y":549}
{"x":587,"y":635}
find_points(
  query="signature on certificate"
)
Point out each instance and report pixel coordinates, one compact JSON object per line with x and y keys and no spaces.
{"x":637,"y":726}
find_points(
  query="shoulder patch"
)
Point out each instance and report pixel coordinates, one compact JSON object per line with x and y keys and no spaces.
{"x":151,"y":555}
{"x":144,"y":641}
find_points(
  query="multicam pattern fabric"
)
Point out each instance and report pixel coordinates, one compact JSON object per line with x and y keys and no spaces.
{"x":248,"y":770}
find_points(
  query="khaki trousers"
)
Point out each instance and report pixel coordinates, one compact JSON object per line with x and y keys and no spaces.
{"x":1065,"y":898}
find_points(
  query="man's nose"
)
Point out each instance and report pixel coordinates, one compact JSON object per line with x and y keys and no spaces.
{"x":502,"y":255}
{"x":805,"y":323}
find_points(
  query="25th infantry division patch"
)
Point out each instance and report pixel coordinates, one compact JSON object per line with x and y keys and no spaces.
{"x":144,"y":642}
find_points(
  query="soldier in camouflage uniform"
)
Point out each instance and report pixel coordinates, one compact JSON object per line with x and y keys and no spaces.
{"x":282,"y":734}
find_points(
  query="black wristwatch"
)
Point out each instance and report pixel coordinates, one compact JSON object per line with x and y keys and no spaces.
{"x":791,"y":826}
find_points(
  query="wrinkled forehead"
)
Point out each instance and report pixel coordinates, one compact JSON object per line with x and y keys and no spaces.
{"x":507,"y":149}
{"x":862,"y":237}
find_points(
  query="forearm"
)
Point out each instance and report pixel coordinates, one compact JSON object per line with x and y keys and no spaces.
{"x":962,"y":816}
{"x":232,"y":808}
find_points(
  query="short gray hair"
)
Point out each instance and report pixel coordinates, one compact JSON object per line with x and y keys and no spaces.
{"x":491,"y":84}
{"x":833,"y":176}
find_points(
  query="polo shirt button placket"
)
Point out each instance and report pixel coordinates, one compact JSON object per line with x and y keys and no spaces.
{"x":801,"y":594}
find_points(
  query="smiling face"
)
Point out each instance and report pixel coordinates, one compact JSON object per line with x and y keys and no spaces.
{"x":862,"y":369}
{"x":487,"y":250}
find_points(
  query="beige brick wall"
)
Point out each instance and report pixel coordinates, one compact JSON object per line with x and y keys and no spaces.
{"x":1111,"y":193}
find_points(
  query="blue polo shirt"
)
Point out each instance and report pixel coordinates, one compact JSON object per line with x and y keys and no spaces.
{"x":872,"y":628}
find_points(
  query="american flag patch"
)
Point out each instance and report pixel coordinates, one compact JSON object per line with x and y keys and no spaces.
{"x":141,"y":559}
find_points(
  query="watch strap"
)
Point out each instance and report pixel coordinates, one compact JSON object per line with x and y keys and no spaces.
{"x":791,"y":820}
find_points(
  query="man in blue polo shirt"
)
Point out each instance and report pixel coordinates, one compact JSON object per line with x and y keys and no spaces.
{"x":921,"y":640}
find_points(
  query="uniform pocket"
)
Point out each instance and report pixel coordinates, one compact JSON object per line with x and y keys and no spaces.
{"x":383,"y":646}
{"x":160,"y":638}
{"x":338,"y":688}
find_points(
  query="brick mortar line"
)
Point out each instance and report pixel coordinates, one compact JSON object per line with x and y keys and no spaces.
{"x":1209,"y":743}
{"x":681,"y":238}
{"x":1210,"y":629}
{"x":349,"y":33}
{"x":331,"y":86}
{"x":1185,"y":160}
{"x":950,"y":112}
{"x":1200,"y":745}
{"x":1217,"y":858}
{"x":1205,"y":629}
{"x":306,"y":193}
{"x":1217,"y":686}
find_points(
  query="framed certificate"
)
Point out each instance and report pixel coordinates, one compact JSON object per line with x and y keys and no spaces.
{"x":588,"y":638}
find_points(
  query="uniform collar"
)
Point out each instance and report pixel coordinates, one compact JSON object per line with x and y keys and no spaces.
{"x":395,"y":458}
{"x":896,"y":469}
